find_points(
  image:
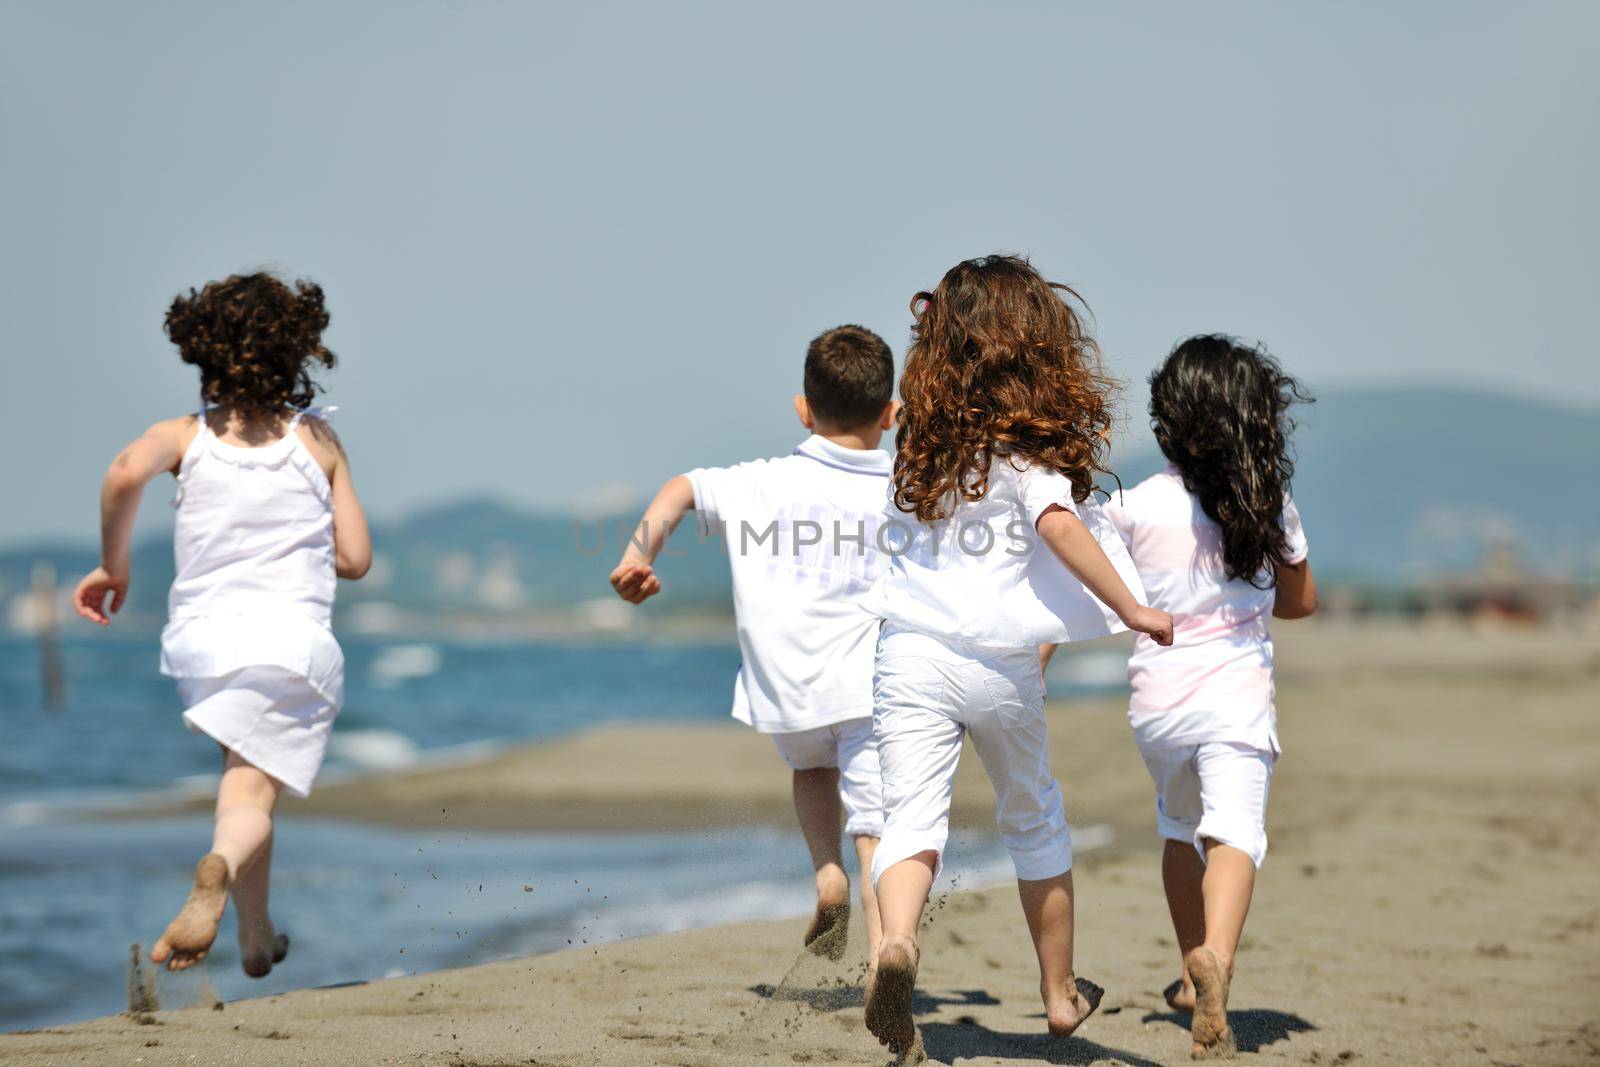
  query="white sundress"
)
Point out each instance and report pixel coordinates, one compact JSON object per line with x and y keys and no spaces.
{"x":249,"y":636}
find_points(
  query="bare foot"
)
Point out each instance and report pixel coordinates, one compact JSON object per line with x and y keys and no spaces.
{"x":1212,"y":1038}
{"x":829,"y":933}
{"x":188,"y":937}
{"x":1064,"y":1014}
{"x":889,"y":996}
{"x":257,"y":958}
{"x":830,"y":927}
{"x":1180,"y":996}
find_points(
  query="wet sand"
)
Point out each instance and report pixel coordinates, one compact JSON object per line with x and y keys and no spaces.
{"x":1432,"y":897}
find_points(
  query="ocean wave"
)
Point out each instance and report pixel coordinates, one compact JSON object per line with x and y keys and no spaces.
{"x":397,"y":664}
{"x":376,"y":750}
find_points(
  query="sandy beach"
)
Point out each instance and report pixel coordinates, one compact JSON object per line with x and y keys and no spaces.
{"x":1430,"y":897}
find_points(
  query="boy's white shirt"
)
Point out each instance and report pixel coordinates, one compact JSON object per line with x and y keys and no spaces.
{"x":801,"y":535}
{"x":984,"y":577}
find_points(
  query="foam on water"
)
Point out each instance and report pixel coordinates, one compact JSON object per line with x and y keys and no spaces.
{"x":383,"y":750}
{"x":401,"y":663}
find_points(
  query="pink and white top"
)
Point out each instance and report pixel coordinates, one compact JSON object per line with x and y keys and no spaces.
{"x":1214,"y":682}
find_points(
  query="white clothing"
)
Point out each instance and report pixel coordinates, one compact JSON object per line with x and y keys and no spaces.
{"x":255,"y":579}
{"x":928,"y":693}
{"x":853,"y":748}
{"x":800,"y":535}
{"x":984,"y":578}
{"x":1214,"y":682}
{"x":248,"y":633}
{"x":275,"y":719}
{"x":1216,"y":790}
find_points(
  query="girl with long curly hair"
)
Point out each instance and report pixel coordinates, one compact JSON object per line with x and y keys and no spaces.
{"x":1004,"y":425}
{"x":267,"y":519}
{"x":1219,"y":544}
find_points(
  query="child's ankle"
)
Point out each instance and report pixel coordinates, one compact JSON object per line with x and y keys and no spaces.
{"x":832,"y":882}
{"x":1224,"y":958}
{"x":900,"y":941}
{"x":1067,"y":984}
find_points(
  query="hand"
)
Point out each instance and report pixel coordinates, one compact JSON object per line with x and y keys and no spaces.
{"x":90,"y":596}
{"x":1157,"y":624}
{"x":635,"y":582}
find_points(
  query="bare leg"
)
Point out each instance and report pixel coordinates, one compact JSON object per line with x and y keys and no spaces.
{"x":1181,"y":874}
{"x":260,"y":944}
{"x":1068,"y":999}
{"x":902,"y":895}
{"x":1229,"y":881}
{"x":817,"y":805}
{"x":865,"y":848}
{"x":245,"y":799}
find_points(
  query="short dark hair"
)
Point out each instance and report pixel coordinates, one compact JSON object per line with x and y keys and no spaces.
{"x":849,"y":376}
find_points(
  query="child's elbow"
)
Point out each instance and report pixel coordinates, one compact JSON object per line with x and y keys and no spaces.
{"x":1302,"y":607}
{"x":352,"y":567}
{"x":120,"y":481}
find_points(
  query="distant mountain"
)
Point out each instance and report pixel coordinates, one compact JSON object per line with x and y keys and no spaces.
{"x":484,"y":555}
{"x":478,"y":558}
{"x":1411,"y":482}
{"x":1394,"y":484}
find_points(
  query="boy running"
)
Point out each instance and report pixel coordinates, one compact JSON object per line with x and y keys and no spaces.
{"x":802,"y":538}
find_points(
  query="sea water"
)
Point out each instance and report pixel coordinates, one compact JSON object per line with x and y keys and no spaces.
{"x":359,"y":902}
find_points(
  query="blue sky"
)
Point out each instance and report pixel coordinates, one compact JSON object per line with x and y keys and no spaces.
{"x":572,"y":249}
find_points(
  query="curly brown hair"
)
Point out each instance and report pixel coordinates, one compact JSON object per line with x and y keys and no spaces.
{"x":254,"y":339}
{"x":1000,"y":364}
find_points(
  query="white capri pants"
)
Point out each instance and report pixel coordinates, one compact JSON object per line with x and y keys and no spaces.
{"x":1215,"y":790}
{"x":929,"y":694}
{"x":851,"y":747}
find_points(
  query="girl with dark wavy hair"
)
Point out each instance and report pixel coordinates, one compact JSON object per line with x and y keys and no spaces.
{"x":267,"y":519}
{"x":1004,"y":425}
{"x":1219,"y":544}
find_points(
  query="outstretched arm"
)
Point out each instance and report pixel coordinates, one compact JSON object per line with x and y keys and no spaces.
{"x":634,"y":578}
{"x":1081,"y":554}
{"x":159,"y":449}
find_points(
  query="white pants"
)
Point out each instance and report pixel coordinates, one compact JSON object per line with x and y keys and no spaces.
{"x":927,"y":695}
{"x":1216,"y":790}
{"x":851,"y":747}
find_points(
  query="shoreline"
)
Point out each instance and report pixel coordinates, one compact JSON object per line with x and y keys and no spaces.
{"x":1428,"y":899}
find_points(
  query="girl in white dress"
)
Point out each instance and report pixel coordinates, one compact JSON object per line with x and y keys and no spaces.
{"x":996,"y":549}
{"x":267,"y":518}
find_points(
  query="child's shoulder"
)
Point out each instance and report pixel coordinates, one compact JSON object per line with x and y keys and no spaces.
{"x":176,"y":424}
{"x":316,"y":432}
{"x":1162,"y":491}
{"x":178,"y":431}
{"x":741,"y":469}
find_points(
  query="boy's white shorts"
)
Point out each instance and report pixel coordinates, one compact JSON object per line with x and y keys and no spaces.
{"x":927,"y":696}
{"x":851,"y":747}
{"x":1216,"y":790}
